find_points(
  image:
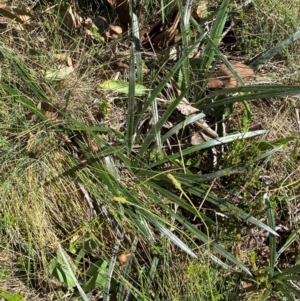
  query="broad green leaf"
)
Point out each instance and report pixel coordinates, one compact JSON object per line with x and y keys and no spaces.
{"x":10,"y":296}
{"x":122,"y":87}
{"x":71,"y":277}
{"x":97,"y":272}
{"x":62,"y":274}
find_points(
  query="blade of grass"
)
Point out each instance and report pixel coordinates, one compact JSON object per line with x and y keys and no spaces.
{"x":137,"y":44}
{"x":24,"y":73}
{"x":80,"y":290}
{"x":291,"y":239}
{"x":189,"y":228}
{"x":208,"y":144}
{"x":295,"y":270}
{"x":181,"y":125}
{"x":131,"y":104}
{"x":163,"y":83}
{"x":185,"y":42}
{"x":290,"y":288}
{"x":106,"y":295}
{"x":156,"y":121}
{"x":272,"y":238}
{"x":151,"y":275}
{"x":235,"y":211}
{"x":259,"y":92}
{"x":23,"y":100}
{"x":155,"y":221}
{"x":178,"y":201}
{"x":262,"y":59}
{"x":189,"y":178}
{"x":165,"y":231}
{"x":158,"y":126}
{"x":215,"y":35}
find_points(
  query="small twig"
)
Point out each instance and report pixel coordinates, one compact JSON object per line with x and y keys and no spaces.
{"x":296,"y":113}
{"x":207,"y":193}
{"x":80,"y":290}
{"x":89,"y":201}
{"x":227,"y":30}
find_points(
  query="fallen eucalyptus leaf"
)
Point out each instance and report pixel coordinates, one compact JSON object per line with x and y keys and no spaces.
{"x":224,"y":78}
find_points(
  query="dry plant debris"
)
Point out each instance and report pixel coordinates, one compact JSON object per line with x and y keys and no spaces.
{"x":223,"y":78}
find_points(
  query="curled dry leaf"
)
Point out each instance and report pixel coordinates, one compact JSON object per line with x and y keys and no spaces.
{"x":157,"y":37}
{"x":186,"y":109}
{"x":196,"y":139}
{"x":223,"y":78}
{"x":20,"y":18}
{"x":108,"y":31}
{"x":123,"y":258}
{"x":166,"y":125}
{"x":71,"y":19}
{"x":51,"y":112}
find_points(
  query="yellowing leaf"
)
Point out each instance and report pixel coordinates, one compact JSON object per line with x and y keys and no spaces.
{"x":123,"y":87}
{"x":60,"y":74}
{"x":120,"y":199}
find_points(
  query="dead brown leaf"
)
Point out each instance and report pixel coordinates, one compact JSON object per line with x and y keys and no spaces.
{"x":71,"y":19}
{"x":158,"y":37}
{"x":196,"y":139}
{"x":20,"y":18}
{"x":108,"y":31}
{"x":223,"y":78}
{"x":51,"y":112}
{"x":186,"y":108}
